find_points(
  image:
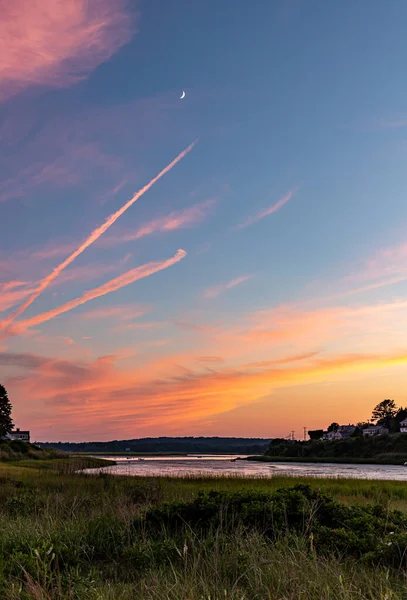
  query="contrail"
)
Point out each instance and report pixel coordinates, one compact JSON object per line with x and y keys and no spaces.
{"x":95,"y":235}
{"x":110,"y":286}
{"x":267,"y":211}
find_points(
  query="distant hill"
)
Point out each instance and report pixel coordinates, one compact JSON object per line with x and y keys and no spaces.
{"x":178,"y":445}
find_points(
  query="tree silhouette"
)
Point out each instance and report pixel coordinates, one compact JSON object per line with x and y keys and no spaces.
{"x":316,"y":434}
{"x":384,"y":412}
{"x":6,"y":422}
{"x":333,"y":427}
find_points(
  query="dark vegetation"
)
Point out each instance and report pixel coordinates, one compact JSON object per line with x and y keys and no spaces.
{"x":386,"y":413}
{"x":388,"y":449}
{"x":168,"y":445}
{"x":6,"y":422}
{"x":200,"y":539}
{"x":11,"y":450}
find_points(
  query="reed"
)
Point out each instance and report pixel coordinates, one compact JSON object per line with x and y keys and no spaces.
{"x":66,"y":535}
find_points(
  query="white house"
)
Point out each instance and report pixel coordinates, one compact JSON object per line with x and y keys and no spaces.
{"x":18,"y":435}
{"x":403,"y":426}
{"x":342,"y":433}
{"x":375,"y":430}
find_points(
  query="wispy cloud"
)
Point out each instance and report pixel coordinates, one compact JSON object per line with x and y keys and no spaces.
{"x":95,"y":235}
{"x":13,"y":292}
{"x":268,"y":211}
{"x":56,"y":43}
{"x":111,"y":286}
{"x":214,"y":291}
{"x":185,"y":218}
{"x":81,"y":393}
{"x":175,"y":220}
{"x":123,"y":312}
{"x":394,"y":124}
{"x":139,"y":326}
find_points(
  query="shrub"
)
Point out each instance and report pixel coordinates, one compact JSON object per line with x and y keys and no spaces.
{"x":369,"y":532}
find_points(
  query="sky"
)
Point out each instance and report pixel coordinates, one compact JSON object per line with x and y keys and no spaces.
{"x":232,"y":263}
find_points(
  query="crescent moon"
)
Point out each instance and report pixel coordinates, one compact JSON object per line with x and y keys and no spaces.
{"x":182,"y":95}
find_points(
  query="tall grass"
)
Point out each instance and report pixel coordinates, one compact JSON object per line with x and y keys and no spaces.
{"x":67,"y":536}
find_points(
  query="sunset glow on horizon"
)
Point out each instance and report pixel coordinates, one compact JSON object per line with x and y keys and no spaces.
{"x":230,"y":264}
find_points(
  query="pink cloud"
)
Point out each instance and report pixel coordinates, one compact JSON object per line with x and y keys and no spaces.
{"x":92,"y":238}
{"x":55,"y":43}
{"x":213,"y":292}
{"x":268,"y":211}
{"x":139,"y":326}
{"x":175,"y":220}
{"x":11,"y":294}
{"x":111,"y":286}
{"x":125,"y":312}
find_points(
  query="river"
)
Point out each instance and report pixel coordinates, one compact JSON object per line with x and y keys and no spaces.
{"x":218,"y":466}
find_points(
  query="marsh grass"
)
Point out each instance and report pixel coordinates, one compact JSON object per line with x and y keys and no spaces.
{"x":69,"y":536}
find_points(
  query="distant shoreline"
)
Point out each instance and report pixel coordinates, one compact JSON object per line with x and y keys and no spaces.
{"x":333,"y":460}
{"x":154,"y":454}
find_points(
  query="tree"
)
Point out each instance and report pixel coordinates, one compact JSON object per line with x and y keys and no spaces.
{"x":6,"y":422}
{"x":316,"y":434}
{"x":384,"y":412}
{"x":333,"y":427}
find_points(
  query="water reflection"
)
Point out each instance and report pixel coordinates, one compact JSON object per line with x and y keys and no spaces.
{"x":218,"y":466}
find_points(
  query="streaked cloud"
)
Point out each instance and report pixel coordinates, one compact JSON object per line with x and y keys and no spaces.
{"x":214,"y":291}
{"x":175,"y":220}
{"x":123,"y":312}
{"x":56,"y":43}
{"x":139,"y":326}
{"x":82,"y":393}
{"x":268,"y":211}
{"x":13,"y":292}
{"x":111,"y":286}
{"x":95,"y":235}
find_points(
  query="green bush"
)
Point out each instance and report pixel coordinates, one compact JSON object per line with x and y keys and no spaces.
{"x":368,"y":532}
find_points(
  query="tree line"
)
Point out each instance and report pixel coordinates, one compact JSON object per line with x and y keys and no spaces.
{"x":6,"y":422}
{"x":386,"y":413}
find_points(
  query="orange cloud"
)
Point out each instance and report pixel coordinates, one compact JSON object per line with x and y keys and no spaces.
{"x":268,"y":211}
{"x":95,"y":235}
{"x":56,"y":43}
{"x":97,"y":393}
{"x":111,"y":286}
{"x":213,"y":292}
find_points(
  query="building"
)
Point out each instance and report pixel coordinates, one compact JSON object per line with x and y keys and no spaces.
{"x":403,"y":426}
{"x":18,"y":435}
{"x":342,"y":433}
{"x":375,"y":430}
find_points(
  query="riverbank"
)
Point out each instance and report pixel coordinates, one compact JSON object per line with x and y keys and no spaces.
{"x":330,"y":459}
{"x":67,"y":535}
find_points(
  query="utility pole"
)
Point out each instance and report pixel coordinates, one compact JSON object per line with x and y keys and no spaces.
{"x":305,"y":433}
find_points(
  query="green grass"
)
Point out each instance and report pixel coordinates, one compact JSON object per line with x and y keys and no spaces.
{"x":69,"y":536}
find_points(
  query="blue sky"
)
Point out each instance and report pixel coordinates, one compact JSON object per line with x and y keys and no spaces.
{"x":297,"y":100}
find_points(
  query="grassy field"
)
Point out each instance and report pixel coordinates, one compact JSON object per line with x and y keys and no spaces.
{"x":71,"y":536}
